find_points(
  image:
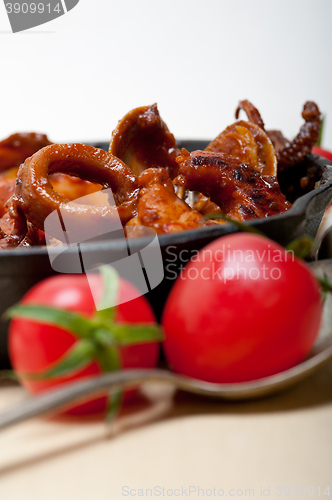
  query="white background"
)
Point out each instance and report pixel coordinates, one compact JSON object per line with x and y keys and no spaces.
{"x":76,"y":76}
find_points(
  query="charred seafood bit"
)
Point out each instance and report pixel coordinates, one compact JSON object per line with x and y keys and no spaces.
{"x":249,"y":143}
{"x":142,"y":140}
{"x":160,"y":208}
{"x":293,"y":152}
{"x":155,"y":186}
{"x":239,"y":190}
{"x":289,"y":153}
{"x":16,"y":231}
{"x":252,"y":113}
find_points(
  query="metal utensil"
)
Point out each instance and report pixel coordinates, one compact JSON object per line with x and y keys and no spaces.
{"x":74,"y":392}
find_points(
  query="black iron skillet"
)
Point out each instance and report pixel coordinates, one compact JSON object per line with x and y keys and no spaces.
{"x":20,"y":269}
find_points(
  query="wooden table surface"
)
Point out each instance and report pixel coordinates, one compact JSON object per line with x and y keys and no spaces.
{"x":186,"y":444}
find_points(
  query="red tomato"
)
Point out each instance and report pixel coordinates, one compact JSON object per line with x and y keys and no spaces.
{"x":241,"y":310}
{"x":34,"y":347}
{"x":317,"y":150}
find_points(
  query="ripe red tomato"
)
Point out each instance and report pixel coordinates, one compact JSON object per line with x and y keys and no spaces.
{"x":34,"y":346}
{"x":317,"y":150}
{"x":241,"y":310}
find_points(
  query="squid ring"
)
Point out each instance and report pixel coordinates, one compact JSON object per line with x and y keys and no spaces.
{"x":36,"y":198}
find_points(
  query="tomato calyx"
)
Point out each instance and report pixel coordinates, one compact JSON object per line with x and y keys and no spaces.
{"x":98,"y":338}
{"x":326,"y":285}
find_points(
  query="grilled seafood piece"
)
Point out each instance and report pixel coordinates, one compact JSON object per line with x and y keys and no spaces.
{"x":239,"y":190}
{"x":17,"y":147}
{"x":278,"y":139}
{"x":289,"y":153}
{"x":142,"y":140}
{"x":7,"y":187}
{"x":249,"y":143}
{"x":246,"y":141}
{"x":293,"y":152}
{"x":68,"y":186}
{"x":252,"y":113}
{"x":15,"y":231}
{"x":254,"y":116}
{"x":236,"y":175}
{"x":15,"y":150}
{"x":204,"y":205}
{"x":160,"y":208}
{"x":36,"y":199}
{"x":12,"y":231}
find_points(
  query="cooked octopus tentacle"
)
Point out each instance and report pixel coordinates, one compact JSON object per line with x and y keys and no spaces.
{"x":294,"y":152}
{"x":160,"y":208}
{"x":239,"y":190}
{"x":36,"y":198}
{"x":13,"y":227}
{"x":249,"y":143}
{"x":277,"y":138}
{"x":252,"y":113}
{"x":142,"y":140}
